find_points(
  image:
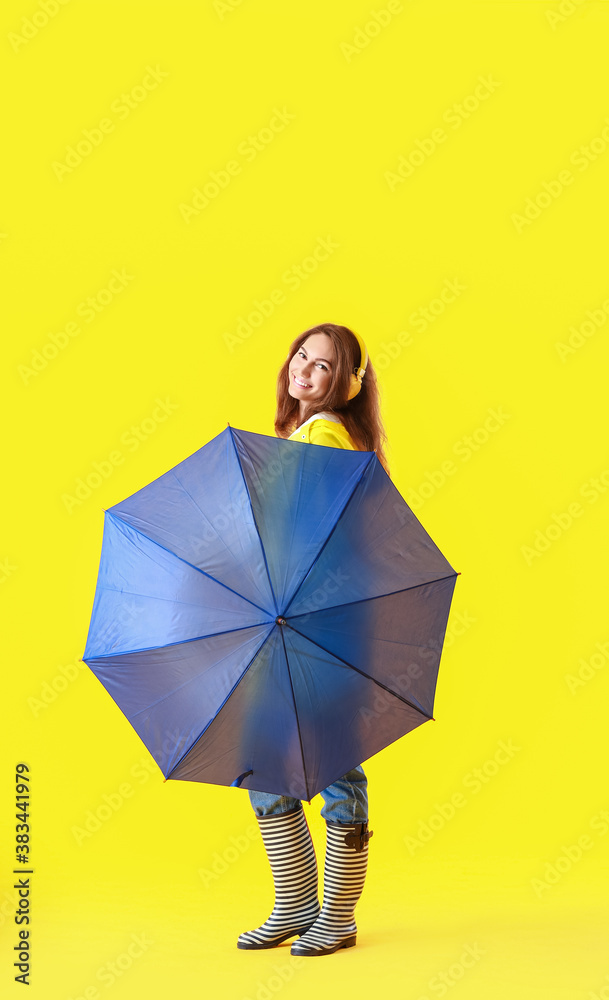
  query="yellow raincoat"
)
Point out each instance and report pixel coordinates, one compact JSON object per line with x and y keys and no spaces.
{"x":324,"y":428}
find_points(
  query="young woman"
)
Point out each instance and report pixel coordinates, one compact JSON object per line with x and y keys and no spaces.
{"x":326,"y":394}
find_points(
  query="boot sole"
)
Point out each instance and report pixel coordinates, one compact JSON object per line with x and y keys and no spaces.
{"x":272,"y":944}
{"x":306,"y":953}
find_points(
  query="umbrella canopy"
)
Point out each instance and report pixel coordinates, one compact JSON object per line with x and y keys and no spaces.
{"x":269,"y":613}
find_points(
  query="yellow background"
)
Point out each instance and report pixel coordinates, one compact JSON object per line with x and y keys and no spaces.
{"x":525,"y":621}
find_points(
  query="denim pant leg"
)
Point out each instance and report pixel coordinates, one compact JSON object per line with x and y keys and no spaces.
{"x":269,"y":804}
{"x":345,"y":800}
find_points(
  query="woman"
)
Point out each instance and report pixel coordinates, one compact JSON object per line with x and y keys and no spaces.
{"x":322,"y":398}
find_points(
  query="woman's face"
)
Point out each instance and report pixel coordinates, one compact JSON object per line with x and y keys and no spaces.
{"x":310,"y":369}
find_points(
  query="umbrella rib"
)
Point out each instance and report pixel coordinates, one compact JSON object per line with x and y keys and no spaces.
{"x":348,"y":501}
{"x":170,"y":694}
{"x":304,"y":766}
{"x":295,"y":517}
{"x":375,"y":597}
{"x":362,"y":672}
{"x":167,"y":600}
{"x":178,"y":642}
{"x":247,"y":489}
{"x":187,"y":563}
{"x":249,"y":498}
{"x":232,"y":690}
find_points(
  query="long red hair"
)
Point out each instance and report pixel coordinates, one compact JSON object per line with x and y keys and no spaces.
{"x":361,"y":415}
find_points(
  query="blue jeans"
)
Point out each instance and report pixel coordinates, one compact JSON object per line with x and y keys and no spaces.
{"x":345,"y":800}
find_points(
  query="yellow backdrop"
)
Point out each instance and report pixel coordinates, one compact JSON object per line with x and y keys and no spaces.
{"x":187,"y":187}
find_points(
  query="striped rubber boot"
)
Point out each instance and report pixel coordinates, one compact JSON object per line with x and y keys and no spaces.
{"x":291,"y":855}
{"x":344,"y":876}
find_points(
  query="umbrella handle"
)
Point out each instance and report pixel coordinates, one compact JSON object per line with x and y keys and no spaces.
{"x":237,"y":782}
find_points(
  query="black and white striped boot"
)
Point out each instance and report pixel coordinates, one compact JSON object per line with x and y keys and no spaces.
{"x":344,"y":876}
{"x":291,"y":855}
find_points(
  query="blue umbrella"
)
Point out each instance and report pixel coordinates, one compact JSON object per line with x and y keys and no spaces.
{"x":269,"y":613}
